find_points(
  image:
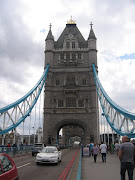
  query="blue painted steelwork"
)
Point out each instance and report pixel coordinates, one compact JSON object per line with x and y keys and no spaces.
{"x":122,"y":111}
{"x":5,"y":109}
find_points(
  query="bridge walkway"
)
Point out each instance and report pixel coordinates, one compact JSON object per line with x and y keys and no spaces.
{"x":99,"y":170}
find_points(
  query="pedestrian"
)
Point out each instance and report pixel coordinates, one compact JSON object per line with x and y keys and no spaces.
{"x":91,"y":148}
{"x":103,"y":149}
{"x":8,"y":148}
{"x":109,"y":149}
{"x":95,"y":152}
{"x":126,"y":156}
{"x":112,"y":148}
{"x":14,"y":148}
{"x":117,"y":147}
{"x":21,"y":148}
{"x":134,"y":154}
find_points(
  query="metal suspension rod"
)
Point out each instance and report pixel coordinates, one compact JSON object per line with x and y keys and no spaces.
{"x":108,"y":133}
{"x":35,"y":124}
{"x":29,"y":127}
{"x":14,"y":136}
{"x":101,"y":124}
{"x":3,"y":137}
{"x":39,"y":109}
{"x":104,"y":132}
{"x":39,"y":120}
{"x":23,"y":133}
{"x":112,"y":137}
{"x":43,"y":118}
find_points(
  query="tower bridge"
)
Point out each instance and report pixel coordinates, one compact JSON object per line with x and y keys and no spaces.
{"x":70,"y":91}
{"x":74,"y":99}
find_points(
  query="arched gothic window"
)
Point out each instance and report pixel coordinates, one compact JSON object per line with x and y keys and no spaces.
{"x":73,"y":56}
{"x":70,"y":102}
{"x":62,"y":56}
{"x":73,"y":45}
{"x":79,"y":56}
{"x":81,"y":103}
{"x":57,"y":82}
{"x":67,"y":56}
{"x":67,"y":45}
{"x":70,"y":80}
{"x":60,"y":103}
{"x":84,"y":82}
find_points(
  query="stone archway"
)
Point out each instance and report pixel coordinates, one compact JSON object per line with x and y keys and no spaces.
{"x":78,"y":125}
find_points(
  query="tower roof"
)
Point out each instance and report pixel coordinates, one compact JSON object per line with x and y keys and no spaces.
{"x":71,"y":28}
{"x":91,"y":34}
{"x":50,"y":36}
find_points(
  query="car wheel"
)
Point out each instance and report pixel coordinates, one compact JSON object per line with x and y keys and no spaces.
{"x":60,"y":160}
{"x":32,"y":154}
{"x":37,"y":163}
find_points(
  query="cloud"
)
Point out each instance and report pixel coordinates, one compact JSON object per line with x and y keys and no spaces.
{"x":19,"y":54}
{"x":24,"y":26}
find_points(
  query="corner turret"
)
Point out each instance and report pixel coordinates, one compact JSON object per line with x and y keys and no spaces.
{"x":92,"y":46}
{"x":49,"y":47}
{"x":92,"y":39}
{"x":49,"y":40}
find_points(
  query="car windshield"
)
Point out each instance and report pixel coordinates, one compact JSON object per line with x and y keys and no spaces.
{"x":49,"y":150}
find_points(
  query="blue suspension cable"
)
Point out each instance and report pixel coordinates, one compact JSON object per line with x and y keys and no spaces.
{"x":5,"y":109}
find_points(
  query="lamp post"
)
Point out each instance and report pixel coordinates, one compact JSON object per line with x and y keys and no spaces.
{"x":67,"y":139}
{"x":82,"y":138}
{"x":104,"y":129}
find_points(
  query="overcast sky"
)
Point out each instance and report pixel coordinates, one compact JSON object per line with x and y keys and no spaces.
{"x":24,"y":25}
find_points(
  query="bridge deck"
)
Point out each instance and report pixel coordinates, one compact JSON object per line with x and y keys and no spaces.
{"x":99,"y":170}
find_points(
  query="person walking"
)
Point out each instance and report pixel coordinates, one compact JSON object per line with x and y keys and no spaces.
{"x":112,"y":148}
{"x":126,"y":156}
{"x":14,"y":149}
{"x":8,"y":148}
{"x":91,"y":148}
{"x":103,"y":149}
{"x":117,"y":147}
{"x":95,"y":152}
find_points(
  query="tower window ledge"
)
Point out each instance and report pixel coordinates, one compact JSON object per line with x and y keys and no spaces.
{"x":70,"y":91}
{"x":83,"y":49}
{"x":70,"y":62}
{"x":58,"y":49}
{"x":70,"y":86}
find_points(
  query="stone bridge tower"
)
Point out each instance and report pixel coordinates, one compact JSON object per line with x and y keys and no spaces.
{"x":70,"y":97}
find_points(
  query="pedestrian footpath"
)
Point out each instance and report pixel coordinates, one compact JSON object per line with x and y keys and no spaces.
{"x":109,"y":170}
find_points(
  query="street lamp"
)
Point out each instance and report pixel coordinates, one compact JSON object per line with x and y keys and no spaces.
{"x":67,"y":139}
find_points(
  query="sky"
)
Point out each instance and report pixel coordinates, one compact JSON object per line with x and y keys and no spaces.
{"x":24,"y":26}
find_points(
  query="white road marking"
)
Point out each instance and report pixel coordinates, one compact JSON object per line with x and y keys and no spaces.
{"x":23,"y":165}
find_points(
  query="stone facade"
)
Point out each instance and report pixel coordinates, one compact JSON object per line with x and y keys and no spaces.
{"x":70,"y":96}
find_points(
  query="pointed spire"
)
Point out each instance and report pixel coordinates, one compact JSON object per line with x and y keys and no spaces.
{"x":50,"y":36}
{"x":91,"y":34}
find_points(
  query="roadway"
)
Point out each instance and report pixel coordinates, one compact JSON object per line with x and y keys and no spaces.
{"x":28,"y":170}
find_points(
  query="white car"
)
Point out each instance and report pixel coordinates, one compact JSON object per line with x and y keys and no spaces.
{"x":49,"y":154}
